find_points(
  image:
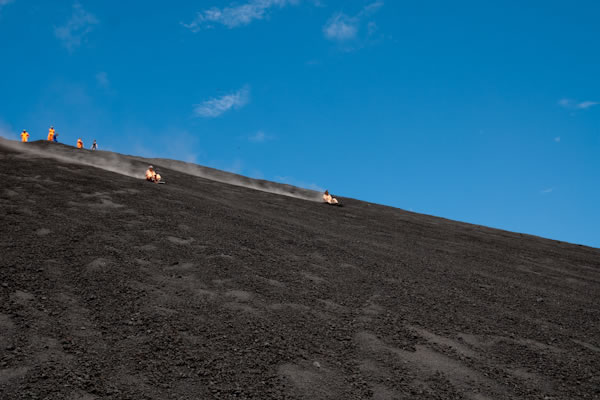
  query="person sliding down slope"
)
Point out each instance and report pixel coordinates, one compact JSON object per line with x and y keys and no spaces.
{"x":329,"y":199}
{"x":152,"y":176}
{"x":24,"y":136}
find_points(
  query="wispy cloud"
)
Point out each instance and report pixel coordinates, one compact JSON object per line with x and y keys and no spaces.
{"x":343,"y":28}
{"x":259,"y":137}
{"x":557,"y":139}
{"x":234,"y":15}
{"x":547,"y":191}
{"x":76,"y":28}
{"x":371,"y":28}
{"x":577,"y":105}
{"x":215,"y":107}
{"x":102,"y":80}
{"x":4,"y":2}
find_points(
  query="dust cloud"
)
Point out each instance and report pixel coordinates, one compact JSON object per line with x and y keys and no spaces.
{"x":103,"y":160}
{"x":239,"y":180}
{"x":135,"y":167}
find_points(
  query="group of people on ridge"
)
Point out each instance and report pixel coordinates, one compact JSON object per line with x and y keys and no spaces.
{"x":53,"y":137}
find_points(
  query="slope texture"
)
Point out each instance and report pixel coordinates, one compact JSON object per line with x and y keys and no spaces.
{"x":111,"y":287}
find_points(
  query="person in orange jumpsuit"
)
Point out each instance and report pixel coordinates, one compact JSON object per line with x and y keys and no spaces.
{"x":151,"y":175}
{"x":327,"y":198}
{"x":24,"y":136}
{"x":79,"y":143}
{"x":51,"y":134}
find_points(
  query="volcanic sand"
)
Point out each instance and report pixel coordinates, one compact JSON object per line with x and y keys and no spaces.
{"x":112,"y":287}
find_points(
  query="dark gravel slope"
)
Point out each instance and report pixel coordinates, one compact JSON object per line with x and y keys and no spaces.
{"x":112,"y":287}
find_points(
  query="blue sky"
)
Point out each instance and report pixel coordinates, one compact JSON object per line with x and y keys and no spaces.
{"x":484,"y":112}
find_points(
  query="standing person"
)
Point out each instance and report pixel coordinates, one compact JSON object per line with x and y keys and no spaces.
{"x":24,"y":136}
{"x":55,"y":138}
{"x":94,"y":145}
{"x":51,"y":134}
{"x":79,"y":143}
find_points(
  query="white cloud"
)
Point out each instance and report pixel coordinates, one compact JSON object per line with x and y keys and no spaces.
{"x":547,"y":191}
{"x":77,"y":27}
{"x":584,"y":105}
{"x":371,"y":8}
{"x":557,"y":139}
{"x":343,"y":28}
{"x":259,"y":137}
{"x":575,"y":105}
{"x":102,"y":80}
{"x":215,"y":107}
{"x":233,"y":15}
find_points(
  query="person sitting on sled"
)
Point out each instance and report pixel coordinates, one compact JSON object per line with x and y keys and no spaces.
{"x":151,"y":175}
{"x":329,"y":199}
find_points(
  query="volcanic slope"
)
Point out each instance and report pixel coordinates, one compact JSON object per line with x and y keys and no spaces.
{"x":113,"y":287}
